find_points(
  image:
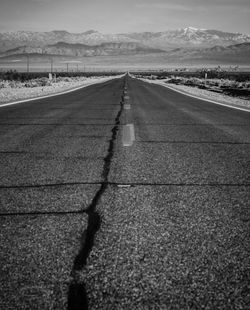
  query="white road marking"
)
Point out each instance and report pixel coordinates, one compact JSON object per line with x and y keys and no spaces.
{"x":126,"y":97}
{"x":132,"y":131}
{"x":127,"y":106}
{"x":128,"y":135}
{"x":196,"y":97}
{"x":123,"y":185}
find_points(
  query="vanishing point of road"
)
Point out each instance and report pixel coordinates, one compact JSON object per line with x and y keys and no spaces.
{"x":124,"y":195}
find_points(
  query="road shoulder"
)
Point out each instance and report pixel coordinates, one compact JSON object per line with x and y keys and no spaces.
{"x":234,"y":103}
{"x":54,"y":92}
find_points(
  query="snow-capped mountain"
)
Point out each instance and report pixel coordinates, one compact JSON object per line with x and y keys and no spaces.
{"x":187,"y":37}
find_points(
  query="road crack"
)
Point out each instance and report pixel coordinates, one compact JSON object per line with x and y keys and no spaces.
{"x":77,"y":296}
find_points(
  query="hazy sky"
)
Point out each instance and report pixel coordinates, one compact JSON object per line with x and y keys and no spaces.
{"x":114,"y":16}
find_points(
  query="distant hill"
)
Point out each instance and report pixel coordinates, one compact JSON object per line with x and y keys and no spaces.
{"x":237,"y":54}
{"x":187,"y":38}
{"x":10,"y":40}
{"x":188,"y":46}
{"x":83,"y":50}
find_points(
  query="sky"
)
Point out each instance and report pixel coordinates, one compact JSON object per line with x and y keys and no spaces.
{"x":121,"y":16}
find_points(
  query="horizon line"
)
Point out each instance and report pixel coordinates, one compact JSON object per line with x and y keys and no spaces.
{"x":129,"y":32}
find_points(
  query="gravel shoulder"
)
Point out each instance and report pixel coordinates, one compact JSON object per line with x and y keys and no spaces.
{"x":205,"y":94}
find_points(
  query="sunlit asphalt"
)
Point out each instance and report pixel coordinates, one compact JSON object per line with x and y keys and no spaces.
{"x":88,"y":223}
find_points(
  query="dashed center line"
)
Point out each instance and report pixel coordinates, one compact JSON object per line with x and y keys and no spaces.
{"x":128,"y":131}
{"x":127,"y":106}
{"x":128,"y":135}
{"x":124,"y":185}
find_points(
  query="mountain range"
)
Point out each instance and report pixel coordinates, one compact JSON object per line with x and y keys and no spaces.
{"x":232,"y":54}
{"x":186,"y":43}
{"x":187,"y":37}
{"x":82,"y":50}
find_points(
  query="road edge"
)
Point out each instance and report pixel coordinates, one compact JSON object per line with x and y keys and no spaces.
{"x":196,"y":97}
{"x":58,"y":93}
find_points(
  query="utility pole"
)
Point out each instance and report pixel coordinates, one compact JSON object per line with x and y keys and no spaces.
{"x":28,"y":63}
{"x":51,"y":65}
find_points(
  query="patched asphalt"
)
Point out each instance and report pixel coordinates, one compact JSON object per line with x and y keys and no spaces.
{"x":90,"y":224}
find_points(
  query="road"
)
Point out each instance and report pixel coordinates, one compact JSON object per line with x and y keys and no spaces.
{"x":88,"y":223}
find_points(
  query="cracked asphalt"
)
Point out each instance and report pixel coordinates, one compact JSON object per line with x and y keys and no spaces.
{"x":87,"y":223}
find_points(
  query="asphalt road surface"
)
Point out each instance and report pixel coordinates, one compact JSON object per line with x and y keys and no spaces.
{"x":88,"y":223}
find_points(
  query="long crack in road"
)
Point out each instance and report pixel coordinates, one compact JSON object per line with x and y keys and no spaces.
{"x":77,"y":298}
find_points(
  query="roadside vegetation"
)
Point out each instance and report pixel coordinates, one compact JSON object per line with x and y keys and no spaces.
{"x":14,"y":79}
{"x":15,"y":86}
{"x":235,"y":84}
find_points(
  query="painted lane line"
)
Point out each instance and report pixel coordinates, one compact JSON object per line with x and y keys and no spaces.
{"x":196,"y":97}
{"x":127,"y":106}
{"x":58,"y":93}
{"x":132,"y":130}
{"x":126,"y":97}
{"x":128,"y":135}
{"x":124,"y":185}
